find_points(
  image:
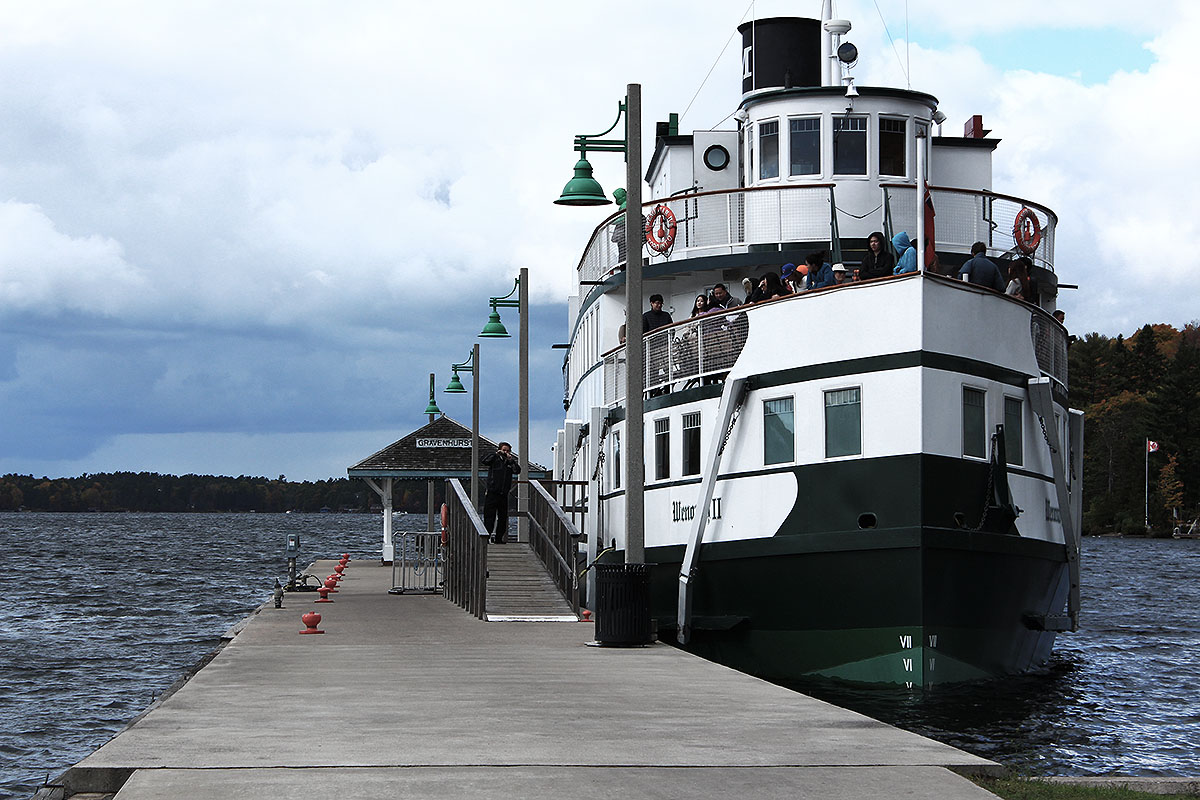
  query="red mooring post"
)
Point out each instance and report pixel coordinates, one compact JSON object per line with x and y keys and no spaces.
{"x":312,"y":619}
{"x":324,"y":595}
{"x":331,"y":584}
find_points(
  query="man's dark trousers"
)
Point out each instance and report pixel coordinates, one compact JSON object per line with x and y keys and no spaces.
{"x":495,"y":516}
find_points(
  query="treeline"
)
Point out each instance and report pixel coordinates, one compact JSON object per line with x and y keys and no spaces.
{"x":150,"y":491}
{"x":1146,"y":387}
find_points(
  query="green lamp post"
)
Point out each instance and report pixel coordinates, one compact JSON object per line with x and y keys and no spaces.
{"x":432,"y":409}
{"x":494,"y":329}
{"x":579,"y":192}
{"x":471,"y":366}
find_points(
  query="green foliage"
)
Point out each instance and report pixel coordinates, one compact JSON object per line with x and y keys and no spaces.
{"x":1146,"y":387}
{"x":1033,"y":789}
{"x":150,"y":491}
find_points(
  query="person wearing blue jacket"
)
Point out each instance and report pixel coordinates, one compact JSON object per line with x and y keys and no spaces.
{"x":908,"y":254}
{"x":820,"y":273}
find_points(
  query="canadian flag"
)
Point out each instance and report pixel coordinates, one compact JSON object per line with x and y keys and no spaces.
{"x":1151,"y":447}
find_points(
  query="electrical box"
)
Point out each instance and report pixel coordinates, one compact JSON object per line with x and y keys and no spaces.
{"x":292,"y":548}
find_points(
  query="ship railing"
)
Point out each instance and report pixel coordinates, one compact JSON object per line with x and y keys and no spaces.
{"x":465,"y":565}
{"x":555,"y":541}
{"x":963,"y":217}
{"x":719,"y":223}
{"x":1050,"y":346}
{"x":682,"y":355}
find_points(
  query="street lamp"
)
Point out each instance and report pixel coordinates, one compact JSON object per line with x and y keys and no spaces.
{"x":494,"y":329}
{"x":471,"y":365}
{"x":432,"y":408}
{"x":578,"y":192}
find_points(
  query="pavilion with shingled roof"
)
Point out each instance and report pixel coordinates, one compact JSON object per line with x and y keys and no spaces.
{"x":437,"y":451}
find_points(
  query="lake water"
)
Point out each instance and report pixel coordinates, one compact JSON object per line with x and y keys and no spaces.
{"x":103,"y":612}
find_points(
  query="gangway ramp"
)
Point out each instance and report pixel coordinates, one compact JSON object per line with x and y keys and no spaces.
{"x":520,"y":589}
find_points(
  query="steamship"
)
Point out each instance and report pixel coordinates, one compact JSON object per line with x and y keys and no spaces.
{"x":877,"y":481}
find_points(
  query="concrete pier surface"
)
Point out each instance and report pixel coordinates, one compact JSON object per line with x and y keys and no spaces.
{"x":409,"y":696}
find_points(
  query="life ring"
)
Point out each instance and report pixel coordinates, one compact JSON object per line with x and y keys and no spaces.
{"x":1027,"y":231}
{"x":445,"y":524}
{"x":660,"y":229}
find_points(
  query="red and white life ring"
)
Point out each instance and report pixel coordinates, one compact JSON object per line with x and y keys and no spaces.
{"x":1027,"y":231}
{"x":445,"y":524}
{"x":660,"y":229}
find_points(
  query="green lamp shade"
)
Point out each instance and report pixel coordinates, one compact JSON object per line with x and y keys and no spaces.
{"x":495,"y":328}
{"x":583,"y":189}
{"x":432,"y":407}
{"x":455,"y":386}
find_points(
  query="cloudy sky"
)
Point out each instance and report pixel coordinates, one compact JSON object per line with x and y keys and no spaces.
{"x":236,"y":238}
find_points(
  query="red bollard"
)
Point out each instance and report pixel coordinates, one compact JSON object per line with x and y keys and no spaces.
{"x":331,"y":585}
{"x":346,"y":556}
{"x":312,"y":619}
{"x":587,"y":616}
{"x":324,"y":596}
{"x":339,"y":569}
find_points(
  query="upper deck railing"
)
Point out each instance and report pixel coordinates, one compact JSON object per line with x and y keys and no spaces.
{"x":732,"y":221}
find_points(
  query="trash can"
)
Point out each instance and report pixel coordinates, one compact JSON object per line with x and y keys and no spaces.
{"x":623,"y":605}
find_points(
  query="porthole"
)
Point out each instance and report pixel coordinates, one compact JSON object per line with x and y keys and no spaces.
{"x":716,"y":158}
{"x":867,"y":521}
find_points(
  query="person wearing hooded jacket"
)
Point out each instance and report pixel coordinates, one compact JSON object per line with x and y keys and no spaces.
{"x":908,"y":254}
{"x":820,"y":272}
{"x":879,"y":261}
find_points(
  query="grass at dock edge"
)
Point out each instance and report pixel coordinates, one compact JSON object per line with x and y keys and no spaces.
{"x":1033,"y":789}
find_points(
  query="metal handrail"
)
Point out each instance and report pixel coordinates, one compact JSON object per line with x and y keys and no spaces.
{"x":466,"y":552}
{"x":556,"y":543}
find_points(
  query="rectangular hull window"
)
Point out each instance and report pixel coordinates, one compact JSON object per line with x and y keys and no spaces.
{"x":691,"y":443}
{"x":843,"y":423}
{"x":768,"y":149}
{"x":662,"y":448}
{"x":974,"y":423}
{"x":779,"y":431}
{"x":616,"y":459}
{"x":805,"y":146}
{"x":850,"y":145}
{"x":1012,"y":432}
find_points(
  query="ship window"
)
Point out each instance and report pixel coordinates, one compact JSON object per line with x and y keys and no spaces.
{"x":892,"y":147}
{"x":804,"y":145}
{"x":843,"y":423}
{"x":779,"y":440}
{"x":974,"y":441}
{"x":616,"y":460}
{"x":850,"y":145}
{"x":768,"y":149}
{"x":662,"y":448}
{"x":1012,"y":432}
{"x":691,"y":443}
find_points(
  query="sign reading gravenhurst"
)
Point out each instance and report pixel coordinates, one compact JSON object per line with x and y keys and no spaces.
{"x":431,"y":441}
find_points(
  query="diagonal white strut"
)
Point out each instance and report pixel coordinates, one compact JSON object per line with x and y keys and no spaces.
{"x":731,"y":397}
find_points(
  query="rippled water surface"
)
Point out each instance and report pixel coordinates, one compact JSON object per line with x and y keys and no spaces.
{"x":103,"y":612}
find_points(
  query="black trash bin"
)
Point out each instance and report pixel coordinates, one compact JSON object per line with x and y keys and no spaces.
{"x":623,"y":605}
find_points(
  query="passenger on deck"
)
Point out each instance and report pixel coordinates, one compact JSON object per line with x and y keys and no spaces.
{"x":981,"y":270}
{"x":908,"y":254}
{"x":820,"y":273}
{"x":655,"y":317}
{"x":720,"y":299}
{"x":769,"y":287}
{"x":700,"y":307}
{"x":841,"y":274}
{"x":1018,"y":279}
{"x":792,"y":277}
{"x":879,"y":261}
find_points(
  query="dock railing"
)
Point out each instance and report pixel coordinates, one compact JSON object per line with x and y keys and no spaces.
{"x":555,"y":540}
{"x":466,"y":552}
{"x":418,"y":562}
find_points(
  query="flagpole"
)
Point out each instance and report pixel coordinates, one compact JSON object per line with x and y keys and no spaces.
{"x":1147,"y":507}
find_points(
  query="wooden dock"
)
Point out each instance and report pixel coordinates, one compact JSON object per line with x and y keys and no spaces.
{"x":409,"y":696}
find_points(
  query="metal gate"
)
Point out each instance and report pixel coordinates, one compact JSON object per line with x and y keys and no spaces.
{"x":417,"y":562}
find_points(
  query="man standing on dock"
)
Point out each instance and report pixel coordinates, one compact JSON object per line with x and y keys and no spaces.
{"x":502,"y":466}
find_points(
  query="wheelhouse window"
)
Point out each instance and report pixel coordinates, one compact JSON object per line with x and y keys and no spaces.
{"x":850,"y":145}
{"x":1013,"y":441}
{"x":691,"y":443}
{"x":662,"y":448}
{"x":779,"y":431}
{"x":892,"y":147}
{"x":768,"y":149}
{"x":804,"y":145}
{"x":974,"y":433}
{"x":843,"y":422}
